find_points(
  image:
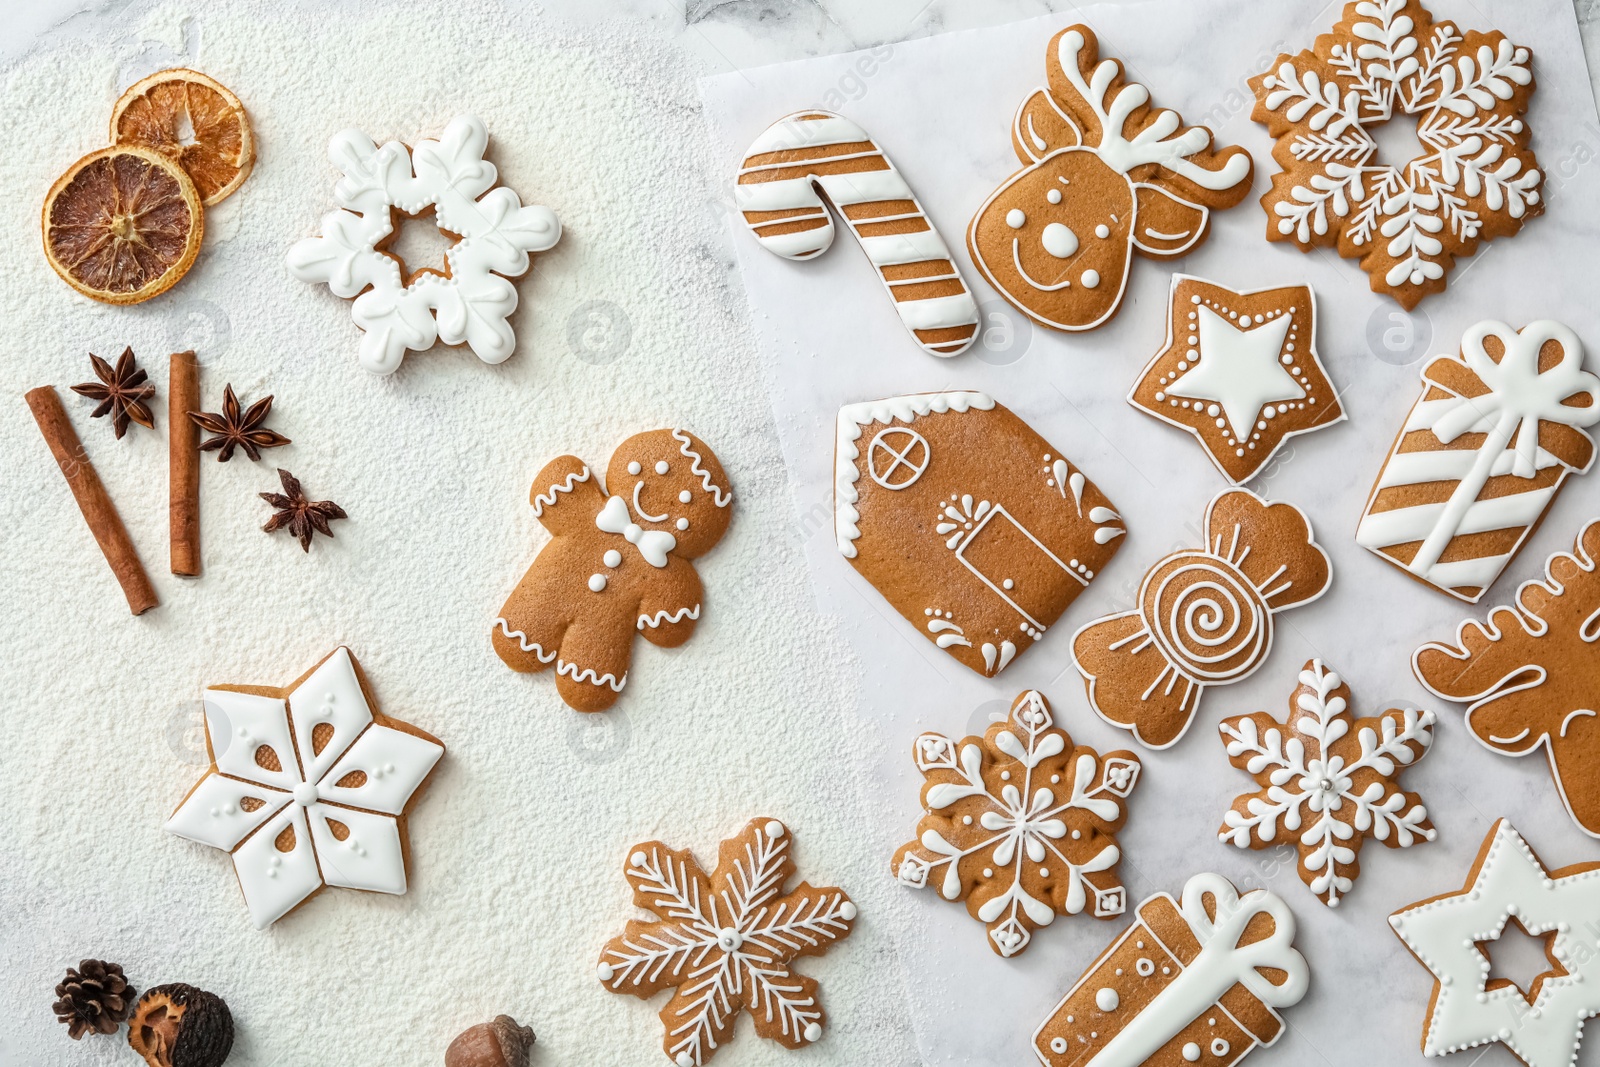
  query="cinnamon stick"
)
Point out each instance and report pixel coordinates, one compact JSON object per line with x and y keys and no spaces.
{"x":98,"y":511}
{"x":183,"y":463}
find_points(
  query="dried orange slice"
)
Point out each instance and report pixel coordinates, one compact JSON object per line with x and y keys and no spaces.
{"x":122,"y":224}
{"x":193,"y":120}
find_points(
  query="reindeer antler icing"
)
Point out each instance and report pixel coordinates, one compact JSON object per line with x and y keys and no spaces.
{"x":1160,"y":136}
{"x":1528,"y":672}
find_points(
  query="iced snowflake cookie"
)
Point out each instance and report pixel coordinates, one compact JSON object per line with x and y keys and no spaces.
{"x":618,"y":563}
{"x":1482,"y":455}
{"x":777,"y":193}
{"x":1205,"y":617}
{"x":1020,"y":823}
{"x":1328,"y":782}
{"x":399,"y":309}
{"x":974,"y":528}
{"x":1240,"y":371}
{"x":1192,"y":981}
{"x":1406,"y":221}
{"x":1528,"y":672}
{"x":1104,"y":175}
{"x":309,"y":785}
{"x":726,"y":941}
{"x":1542,"y":1025}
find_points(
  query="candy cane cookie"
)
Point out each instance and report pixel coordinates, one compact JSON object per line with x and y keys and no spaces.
{"x":810,"y":153}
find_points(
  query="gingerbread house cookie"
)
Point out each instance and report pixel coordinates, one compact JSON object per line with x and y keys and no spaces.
{"x":974,"y":528}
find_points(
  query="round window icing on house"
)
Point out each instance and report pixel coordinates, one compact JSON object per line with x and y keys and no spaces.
{"x":897,"y":457}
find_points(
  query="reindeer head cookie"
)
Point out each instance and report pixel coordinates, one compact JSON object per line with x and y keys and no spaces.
{"x":618,"y":563}
{"x":1528,"y":673}
{"x":1105,"y":175}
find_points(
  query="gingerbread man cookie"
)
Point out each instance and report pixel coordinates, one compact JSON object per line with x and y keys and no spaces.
{"x":618,"y":563}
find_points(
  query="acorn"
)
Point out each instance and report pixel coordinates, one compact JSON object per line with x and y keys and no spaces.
{"x":178,"y":1025}
{"x":501,"y":1043}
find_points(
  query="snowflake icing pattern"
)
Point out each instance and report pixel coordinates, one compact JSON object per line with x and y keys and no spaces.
{"x":1476,"y":179}
{"x":1329,"y":781}
{"x":725,"y":942}
{"x":493,"y":235}
{"x":1021,"y":824}
{"x":306,"y":788}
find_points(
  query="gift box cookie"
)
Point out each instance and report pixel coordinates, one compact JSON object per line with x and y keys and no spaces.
{"x":974,"y":528}
{"x":1196,"y":980}
{"x":1482,"y":455}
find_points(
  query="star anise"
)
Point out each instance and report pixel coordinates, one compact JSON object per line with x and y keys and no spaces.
{"x":233,"y":429}
{"x":121,"y":390}
{"x":302,"y":517}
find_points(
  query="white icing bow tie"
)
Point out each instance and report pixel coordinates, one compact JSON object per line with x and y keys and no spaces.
{"x":653,"y":545}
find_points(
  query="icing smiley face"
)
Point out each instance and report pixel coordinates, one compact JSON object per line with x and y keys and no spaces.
{"x":672,"y":483}
{"x":1104,"y":175}
{"x":1065,"y":225}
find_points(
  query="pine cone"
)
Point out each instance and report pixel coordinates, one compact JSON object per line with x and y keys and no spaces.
{"x":95,"y":998}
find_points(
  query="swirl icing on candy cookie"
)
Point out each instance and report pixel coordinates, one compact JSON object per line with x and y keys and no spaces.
{"x":619,"y":563}
{"x":777,"y":192}
{"x":1205,"y":617}
{"x":494,"y":233}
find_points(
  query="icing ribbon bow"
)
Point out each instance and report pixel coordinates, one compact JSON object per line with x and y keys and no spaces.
{"x":653,"y":545}
{"x":1513,"y":396}
{"x":1219,"y":938}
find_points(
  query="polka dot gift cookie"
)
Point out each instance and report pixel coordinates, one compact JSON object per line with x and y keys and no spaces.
{"x":1197,"y":980}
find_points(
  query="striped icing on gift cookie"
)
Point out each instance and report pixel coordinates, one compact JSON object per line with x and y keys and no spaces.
{"x":778,"y":193}
{"x":1482,"y":455}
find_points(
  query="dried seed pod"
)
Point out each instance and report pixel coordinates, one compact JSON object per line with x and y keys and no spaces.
{"x":501,"y":1043}
{"x":178,"y":1025}
{"x":93,"y":998}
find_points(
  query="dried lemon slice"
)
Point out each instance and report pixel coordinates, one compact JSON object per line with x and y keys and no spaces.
{"x":193,"y":120}
{"x":122,"y":224}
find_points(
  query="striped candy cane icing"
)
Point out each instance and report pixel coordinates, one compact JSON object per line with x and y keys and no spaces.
{"x":778,"y":193}
{"x":1490,"y":441}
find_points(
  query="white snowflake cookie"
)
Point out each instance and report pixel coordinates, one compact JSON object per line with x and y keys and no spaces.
{"x":1406,"y":221}
{"x":308,"y":786}
{"x":492,"y":230}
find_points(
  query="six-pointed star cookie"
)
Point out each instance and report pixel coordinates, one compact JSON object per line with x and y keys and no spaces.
{"x":1239,"y":371}
{"x":1544,"y":1025}
{"x":1329,"y":781}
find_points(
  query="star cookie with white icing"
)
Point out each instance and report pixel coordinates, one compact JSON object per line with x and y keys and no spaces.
{"x":1542,"y":1025}
{"x":1240,"y":371}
